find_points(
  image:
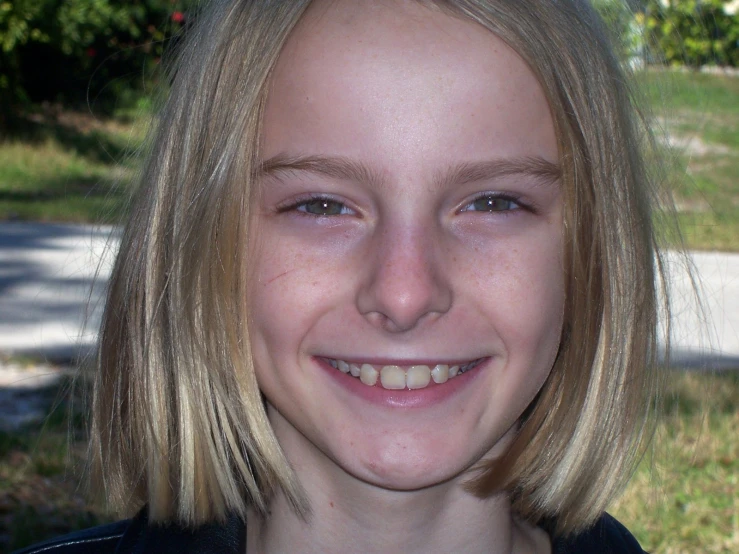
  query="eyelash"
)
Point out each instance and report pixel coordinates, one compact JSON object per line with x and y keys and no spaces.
{"x":296,"y":205}
{"x":493,"y":196}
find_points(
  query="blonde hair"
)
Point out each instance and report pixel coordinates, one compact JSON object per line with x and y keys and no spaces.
{"x":178,"y":419}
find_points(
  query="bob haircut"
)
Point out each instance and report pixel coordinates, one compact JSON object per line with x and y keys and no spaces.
{"x":178,"y":420}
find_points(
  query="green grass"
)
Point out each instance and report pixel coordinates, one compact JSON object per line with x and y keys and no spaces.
{"x":690,"y":90}
{"x":41,"y":471}
{"x":700,"y":115}
{"x":684,"y":497}
{"x":69,"y":167}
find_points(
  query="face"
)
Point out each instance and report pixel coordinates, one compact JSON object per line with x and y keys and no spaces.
{"x":407,"y":286}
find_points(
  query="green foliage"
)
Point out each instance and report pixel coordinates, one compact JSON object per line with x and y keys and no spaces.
{"x":693,"y":32}
{"x":625,"y":30}
{"x":677,"y":32}
{"x":17,"y":23}
{"x":75,"y":51}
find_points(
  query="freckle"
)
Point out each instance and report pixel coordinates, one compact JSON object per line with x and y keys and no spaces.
{"x":331,"y":504}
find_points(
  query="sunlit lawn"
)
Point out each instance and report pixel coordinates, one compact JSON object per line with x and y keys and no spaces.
{"x":685,"y":496}
{"x":698,"y":114}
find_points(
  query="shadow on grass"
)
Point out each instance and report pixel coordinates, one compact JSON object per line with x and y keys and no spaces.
{"x":691,"y":392}
{"x":95,"y":190}
{"x":63,"y":188}
{"x":41,"y":471}
{"x":62,"y":200}
{"x":83,"y":138}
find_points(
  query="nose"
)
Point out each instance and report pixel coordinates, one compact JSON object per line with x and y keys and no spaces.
{"x":405,"y":281}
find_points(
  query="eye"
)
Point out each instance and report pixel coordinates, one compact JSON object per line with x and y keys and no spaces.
{"x":492,"y":203}
{"x":320,"y":206}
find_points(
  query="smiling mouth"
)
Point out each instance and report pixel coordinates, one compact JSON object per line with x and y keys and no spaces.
{"x":397,"y":377}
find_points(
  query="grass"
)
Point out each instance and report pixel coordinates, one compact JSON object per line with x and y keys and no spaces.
{"x":699,"y":116}
{"x":67,"y":167}
{"x":41,"y":468}
{"x":684,"y":497}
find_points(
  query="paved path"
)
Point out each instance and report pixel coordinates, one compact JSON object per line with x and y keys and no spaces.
{"x":705,"y":331}
{"x":52,"y":277}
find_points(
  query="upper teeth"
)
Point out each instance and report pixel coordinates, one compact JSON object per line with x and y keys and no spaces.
{"x":397,"y":377}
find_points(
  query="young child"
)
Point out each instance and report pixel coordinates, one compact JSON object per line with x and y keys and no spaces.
{"x":388,"y":286}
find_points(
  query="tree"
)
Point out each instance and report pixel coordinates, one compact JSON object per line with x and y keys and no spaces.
{"x":69,"y":50}
{"x":694,"y":32}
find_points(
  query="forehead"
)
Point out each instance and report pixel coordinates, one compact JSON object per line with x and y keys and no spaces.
{"x":423,"y":80}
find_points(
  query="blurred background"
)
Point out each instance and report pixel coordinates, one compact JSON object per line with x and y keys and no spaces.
{"x":79,"y":82}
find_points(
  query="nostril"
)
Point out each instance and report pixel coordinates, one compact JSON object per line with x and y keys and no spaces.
{"x":404,"y":281}
{"x":382,"y":321}
{"x":399,"y":324}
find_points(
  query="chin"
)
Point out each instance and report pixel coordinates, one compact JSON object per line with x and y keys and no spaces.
{"x":403,"y":468}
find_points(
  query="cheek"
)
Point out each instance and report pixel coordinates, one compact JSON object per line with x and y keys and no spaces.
{"x":280,"y":293}
{"x":291,"y":288}
{"x":280,"y":290}
{"x":301,"y":255}
{"x":521,"y":288}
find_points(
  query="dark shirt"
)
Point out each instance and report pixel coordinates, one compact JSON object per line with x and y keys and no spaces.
{"x":135,"y":536}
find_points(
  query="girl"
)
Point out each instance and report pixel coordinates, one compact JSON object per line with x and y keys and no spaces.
{"x":388,"y":286}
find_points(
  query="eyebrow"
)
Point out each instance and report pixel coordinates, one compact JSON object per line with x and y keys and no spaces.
{"x":336,"y":167}
{"x":542,"y":170}
{"x":339,"y":167}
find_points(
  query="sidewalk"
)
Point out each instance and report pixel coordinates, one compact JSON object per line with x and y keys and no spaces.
{"x":49,"y":285}
{"x":52,"y":281}
{"x":705,"y":333}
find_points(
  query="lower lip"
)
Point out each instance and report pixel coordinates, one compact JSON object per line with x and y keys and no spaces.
{"x":434,"y":393}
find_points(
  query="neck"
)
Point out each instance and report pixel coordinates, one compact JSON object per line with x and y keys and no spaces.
{"x":357,"y":517}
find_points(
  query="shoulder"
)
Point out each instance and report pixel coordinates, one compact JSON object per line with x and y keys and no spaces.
{"x":607,"y":536}
{"x":100,"y":540}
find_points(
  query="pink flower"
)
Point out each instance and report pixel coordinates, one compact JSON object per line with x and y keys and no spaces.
{"x":178,"y":17}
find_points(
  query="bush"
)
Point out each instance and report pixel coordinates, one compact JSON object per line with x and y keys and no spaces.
{"x":624,"y":26}
{"x":694,"y":32}
{"x":70,"y":50}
